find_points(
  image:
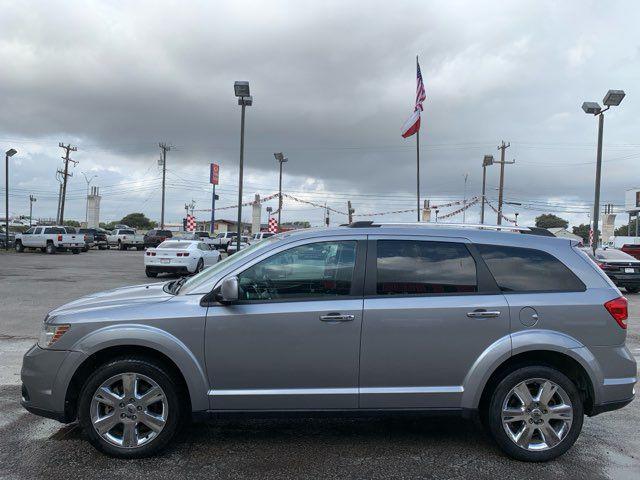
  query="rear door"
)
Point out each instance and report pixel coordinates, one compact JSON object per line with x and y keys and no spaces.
{"x":430,"y":310}
{"x":292,"y":341}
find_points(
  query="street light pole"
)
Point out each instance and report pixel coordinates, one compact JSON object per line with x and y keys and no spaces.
{"x":486,"y":161}
{"x":9,"y":153}
{"x":281,"y":159}
{"x":611,"y":99}
{"x":241,"y":90}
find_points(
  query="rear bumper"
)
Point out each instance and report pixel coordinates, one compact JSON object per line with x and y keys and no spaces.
{"x":167,"y":269}
{"x":609,"y":406}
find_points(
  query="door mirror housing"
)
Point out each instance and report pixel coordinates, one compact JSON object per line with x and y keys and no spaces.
{"x":228,"y":291}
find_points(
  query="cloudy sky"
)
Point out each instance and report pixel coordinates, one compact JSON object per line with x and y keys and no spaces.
{"x":332,"y":82}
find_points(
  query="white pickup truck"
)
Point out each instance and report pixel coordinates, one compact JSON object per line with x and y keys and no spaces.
{"x":50,"y":240}
{"x":222,"y":240}
{"x":125,"y":238}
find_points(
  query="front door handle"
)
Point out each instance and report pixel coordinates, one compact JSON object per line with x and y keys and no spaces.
{"x":481,"y":313}
{"x":337,"y":317}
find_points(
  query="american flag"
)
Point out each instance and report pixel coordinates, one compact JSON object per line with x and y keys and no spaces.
{"x":412,"y":125}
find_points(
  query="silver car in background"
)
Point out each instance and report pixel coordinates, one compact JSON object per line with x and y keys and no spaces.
{"x":523,"y":331}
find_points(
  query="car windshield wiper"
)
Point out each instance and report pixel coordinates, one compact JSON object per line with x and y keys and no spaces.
{"x":177,"y":284}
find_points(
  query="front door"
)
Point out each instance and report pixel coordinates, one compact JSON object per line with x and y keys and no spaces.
{"x":292,"y":340}
{"x":430,"y":311}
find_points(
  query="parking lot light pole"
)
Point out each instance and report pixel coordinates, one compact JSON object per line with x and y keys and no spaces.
{"x":611,"y":99}
{"x":281,"y":159}
{"x":9,"y":153}
{"x":241,"y":90}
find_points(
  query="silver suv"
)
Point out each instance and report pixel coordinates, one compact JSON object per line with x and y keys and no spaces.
{"x":524,"y":331}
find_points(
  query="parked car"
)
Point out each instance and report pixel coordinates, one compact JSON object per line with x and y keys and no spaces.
{"x":232,"y":247}
{"x":182,"y":256}
{"x":621,"y":268}
{"x":125,"y":238}
{"x":256,"y":237}
{"x":203,"y":237}
{"x":88,"y":237}
{"x":49,"y":240}
{"x":523,"y":331}
{"x":222,"y":240}
{"x":155,"y":237}
{"x":99,"y":237}
{"x":3,"y":238}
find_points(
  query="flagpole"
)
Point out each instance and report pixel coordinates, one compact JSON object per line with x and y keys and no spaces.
{"x":418,"y":172}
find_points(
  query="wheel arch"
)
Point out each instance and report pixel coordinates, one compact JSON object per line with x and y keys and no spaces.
{"x":541,"y":347}
{"x":144,"y":342}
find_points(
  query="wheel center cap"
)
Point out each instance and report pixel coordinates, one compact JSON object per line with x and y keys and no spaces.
{"x":131,"y":408}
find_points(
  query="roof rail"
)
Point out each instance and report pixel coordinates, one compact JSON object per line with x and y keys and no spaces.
{"x":369,"y":223}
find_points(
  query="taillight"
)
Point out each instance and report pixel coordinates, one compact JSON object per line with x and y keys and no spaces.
{"x":182,"y":254}
{"x":59,"y":238}
{"x":618,"y":310}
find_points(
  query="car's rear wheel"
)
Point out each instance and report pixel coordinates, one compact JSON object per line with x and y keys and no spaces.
{"x":632,"y":289}
{"x":535,"y":414}
{"x":150,"y":273}
{"x":200,"y":266}
{"x":130,"y":407}
{"x":50,"y":248}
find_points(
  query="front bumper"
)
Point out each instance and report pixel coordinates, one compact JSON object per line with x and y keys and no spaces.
{"x":45,"y":377}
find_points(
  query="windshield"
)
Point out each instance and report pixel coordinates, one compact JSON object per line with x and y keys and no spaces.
{"x":174,"y":244}
{"x":126,"y":232}
{"x":204,"y":276}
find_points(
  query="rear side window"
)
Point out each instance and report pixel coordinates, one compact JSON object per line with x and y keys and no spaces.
{"x":54,"y":230}
{"x":518,"y":269}
{"x":409,"y":267}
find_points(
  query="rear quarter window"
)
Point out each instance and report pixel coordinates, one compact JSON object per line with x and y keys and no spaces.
{"x":517,"y":269}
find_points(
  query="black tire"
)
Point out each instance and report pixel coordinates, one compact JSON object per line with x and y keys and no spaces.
{"x":199,"y":266}
{"x":139,"y":248}
{"x":150,"y":273}
{"x":156,"y":372}
{"x":102,"y":247}
{"x":121,"y":246}
{"x":494,"y":414}
{"x":19,"y":247}
{"x":85,"y":249}
{"x":632,"y":289}
{"x":50,"y":248}
{"x":75,"y":251}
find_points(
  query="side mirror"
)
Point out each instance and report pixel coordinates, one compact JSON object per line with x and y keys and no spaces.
{"x":228,"y":291}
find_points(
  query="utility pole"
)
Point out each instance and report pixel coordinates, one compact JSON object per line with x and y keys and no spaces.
{"x":31,"y":200}
{"x":502,"y":163}
{"x":68,"y":149}
{"x":350,"y":211}
{"x":165,"y":148}
{"x":326,"y":215}
{"x":464,"y":199}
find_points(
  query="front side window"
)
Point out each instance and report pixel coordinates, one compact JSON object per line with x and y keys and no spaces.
{"x":518,"y":269}
{"x":411,"y":267}
{"x":28,"y":232}
{"x":314,"y":270}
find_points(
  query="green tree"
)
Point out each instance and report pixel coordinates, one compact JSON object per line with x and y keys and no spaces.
{"x":71,"y":223}
{"x":138,"y":220}
{"x":582,"y":230}
{"x":107,"y":226}
{"x":624,"y":230}
{"x":549,"y":220}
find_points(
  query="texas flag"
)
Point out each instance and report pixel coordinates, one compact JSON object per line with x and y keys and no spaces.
{"x":412,"y":125}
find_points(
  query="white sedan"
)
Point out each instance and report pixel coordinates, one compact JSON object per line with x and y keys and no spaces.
{"x":179,"y":256}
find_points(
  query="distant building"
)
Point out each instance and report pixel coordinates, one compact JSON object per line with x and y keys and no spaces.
{"x":564,"y":233}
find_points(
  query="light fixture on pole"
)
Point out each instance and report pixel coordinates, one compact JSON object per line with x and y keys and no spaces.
{"x":486,"y":161}
{"x":281,"y":159}
{"x":9,"y":153}
{"x":611,"y":99}
{"x":241,"y":90}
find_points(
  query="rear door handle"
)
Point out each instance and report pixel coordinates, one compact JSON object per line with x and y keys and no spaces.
{"x":337,"y":317}
{"x":481,"y":313}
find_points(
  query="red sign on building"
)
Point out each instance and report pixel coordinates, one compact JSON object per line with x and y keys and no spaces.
{"x":214,"y":173}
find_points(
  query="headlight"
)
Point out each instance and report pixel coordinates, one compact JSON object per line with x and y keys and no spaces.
{"x":50,"y":334}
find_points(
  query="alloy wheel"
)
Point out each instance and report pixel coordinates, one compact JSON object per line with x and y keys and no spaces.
{"x":537,"y":414}
{"x":129,"y":410}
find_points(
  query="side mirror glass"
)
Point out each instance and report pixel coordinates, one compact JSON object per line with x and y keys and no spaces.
{"x":228,"y":290}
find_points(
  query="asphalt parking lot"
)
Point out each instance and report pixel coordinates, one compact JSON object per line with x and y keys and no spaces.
{"x":31,"y":284}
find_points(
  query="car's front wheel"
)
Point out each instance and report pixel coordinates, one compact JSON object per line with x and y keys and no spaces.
{"x":535,"y":414}
{"x":130,"y":407}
